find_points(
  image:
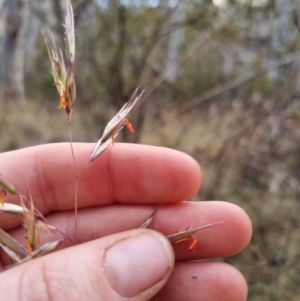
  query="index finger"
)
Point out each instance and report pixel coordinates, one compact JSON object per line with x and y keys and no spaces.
{"x":125,"y":173}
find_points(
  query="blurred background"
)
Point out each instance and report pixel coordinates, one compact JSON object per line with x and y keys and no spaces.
{"x":222,"y":84}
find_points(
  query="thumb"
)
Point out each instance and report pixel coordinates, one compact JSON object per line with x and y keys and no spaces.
{"x":132,"y":265}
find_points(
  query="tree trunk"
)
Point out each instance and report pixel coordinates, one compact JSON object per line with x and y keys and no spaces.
{"x":14,"y":49}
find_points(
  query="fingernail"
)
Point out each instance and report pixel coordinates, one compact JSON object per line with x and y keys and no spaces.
{"x":137,"y":263}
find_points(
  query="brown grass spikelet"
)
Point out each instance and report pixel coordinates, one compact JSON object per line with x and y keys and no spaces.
{"x":63,"y":68}
{"x":115,"y":125}
{"x":188,"y":234}
{"x":6,"y":187}
{"x":32,"y":234}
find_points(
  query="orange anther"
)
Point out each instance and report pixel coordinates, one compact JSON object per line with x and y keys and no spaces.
{"x":192,"y":246}
{"x":113,"y":139}
{"x":1,"y":198}
{"x":63,"y":104}
{"x":28,"y":245}
{"x":128,"y":125}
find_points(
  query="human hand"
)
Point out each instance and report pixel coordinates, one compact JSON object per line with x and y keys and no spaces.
{"x":117,"y":193}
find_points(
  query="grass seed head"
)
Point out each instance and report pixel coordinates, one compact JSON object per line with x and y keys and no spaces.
{"x":13,"y":209}
{"x":32,"y":232}
{"x":70,"y":35}
{"x":12,"y":255}
{"x":46,"y":248}
{"x":188,"y":234}
{"x":115,"y":126}
{"x":8,"y":187}
{"x":63,"y":70}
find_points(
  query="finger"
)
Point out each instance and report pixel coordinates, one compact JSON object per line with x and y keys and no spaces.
{"x":226,"y":239}
{"x":125,"y":173}
{"x":132,"y":265}
{"x":204,"y":281}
